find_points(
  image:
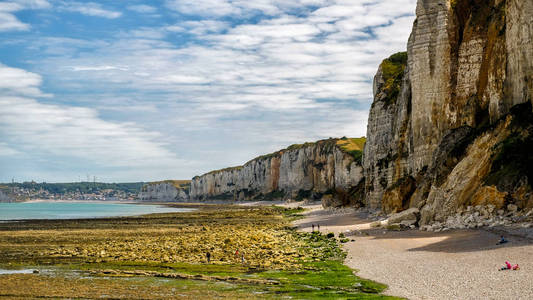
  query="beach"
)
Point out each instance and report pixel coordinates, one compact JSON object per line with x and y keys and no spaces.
{"x":458,"y":264}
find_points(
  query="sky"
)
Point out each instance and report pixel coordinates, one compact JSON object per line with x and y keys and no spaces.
{"x":149,"y":90}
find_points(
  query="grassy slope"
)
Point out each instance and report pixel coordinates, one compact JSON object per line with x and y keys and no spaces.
{"x":392,"y":70}
{"x":353,"y":146}
{"x":179,"y":184}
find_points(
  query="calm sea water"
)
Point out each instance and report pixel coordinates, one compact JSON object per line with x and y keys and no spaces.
{"x":77,"y":210}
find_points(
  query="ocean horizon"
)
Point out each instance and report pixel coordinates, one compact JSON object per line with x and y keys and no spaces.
{"x":72,"y":209}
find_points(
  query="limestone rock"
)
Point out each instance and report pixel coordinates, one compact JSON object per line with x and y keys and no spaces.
{"x":409,"y":214}
{"x":300,"y":172}
{"x":464,"y":98}
{"x":408,"y":223}
{"x":169,"y":190}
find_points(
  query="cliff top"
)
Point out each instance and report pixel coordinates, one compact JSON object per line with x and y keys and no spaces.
{"x":179,"y":184}
{"x":352,"y":146}
{"x":392,"y":70}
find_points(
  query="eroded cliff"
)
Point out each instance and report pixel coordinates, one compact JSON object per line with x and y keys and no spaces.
{"x":459,"y":130}
{"x":164,"y":191}
{"x":329,"y":170}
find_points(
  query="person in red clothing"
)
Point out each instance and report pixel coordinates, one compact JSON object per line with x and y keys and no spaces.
{"x":508,"y":266}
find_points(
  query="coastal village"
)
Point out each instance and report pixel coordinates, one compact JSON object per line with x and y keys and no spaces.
{"x":16,"y":192}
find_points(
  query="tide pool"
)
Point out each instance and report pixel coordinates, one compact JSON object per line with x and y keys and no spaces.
{"x":78,"y":210}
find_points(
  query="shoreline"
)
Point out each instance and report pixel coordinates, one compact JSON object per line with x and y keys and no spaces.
{"x":120,"y":214}
{"x":457,"y":264}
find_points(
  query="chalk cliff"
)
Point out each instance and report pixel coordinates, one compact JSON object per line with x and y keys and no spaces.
{"x":5,"y":197}
{"x":329,"y":170}
{"x":451,"y":124}
{"x":165,"y":191}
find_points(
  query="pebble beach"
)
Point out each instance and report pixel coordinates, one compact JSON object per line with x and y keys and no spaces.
{"x":457,"y":264}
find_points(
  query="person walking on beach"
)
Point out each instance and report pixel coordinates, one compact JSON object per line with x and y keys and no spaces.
{"x":502,"y":240}
{"x":313,"y":226}
{"x":318,"y":227}
{"x":242,"y":259}
{"x":208,"y":256}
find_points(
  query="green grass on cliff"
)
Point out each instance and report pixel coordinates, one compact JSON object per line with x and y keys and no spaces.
{"x":392,"y":70}
{"x":353,"y":146}
{"x":179,"y":184}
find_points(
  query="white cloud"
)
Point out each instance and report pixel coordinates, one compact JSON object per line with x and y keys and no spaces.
{"x":98,"y":68}
{"x":89,"y":9}
{"x":9,"y":22}
{"x":203,"y":7}
{"x":15,"y":81}
{"x":41,"y":131}
{"x":142,"y":8}
{"x":241,"y":8}
{"x":5,"y":150}
{"x":199,"y":27}
{"x":79,"y":132}
{"x":232,"y":91}
{"x":33,"y":4}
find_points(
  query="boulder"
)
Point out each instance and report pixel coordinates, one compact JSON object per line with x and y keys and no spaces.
{"x":408,"y":223}
{"x":512,"y":208}
{"x":394,"y":227}
{"x":409,"y":214}
{"x":375,"y":224}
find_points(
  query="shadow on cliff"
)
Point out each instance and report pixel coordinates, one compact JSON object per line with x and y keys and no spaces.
{"x":455,"y":241}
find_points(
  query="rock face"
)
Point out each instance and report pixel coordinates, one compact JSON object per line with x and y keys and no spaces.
{"x":458,"y":127}
{"x":165,"y":191}
{"x":327,"y":169}
{"x":4,"y":197}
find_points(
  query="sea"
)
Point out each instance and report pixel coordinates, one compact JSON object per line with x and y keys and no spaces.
{"x":78,"y":210}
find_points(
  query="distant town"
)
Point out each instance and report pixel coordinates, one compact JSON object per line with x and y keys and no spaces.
{"x":16,"y":192}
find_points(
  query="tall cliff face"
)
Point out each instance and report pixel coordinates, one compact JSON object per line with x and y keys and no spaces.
{"x":324,"y":169}
{"x":441,"y":143}
{"x":165,"y":191}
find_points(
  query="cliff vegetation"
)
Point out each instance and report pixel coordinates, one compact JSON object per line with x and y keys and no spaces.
{"x":393,"y":69}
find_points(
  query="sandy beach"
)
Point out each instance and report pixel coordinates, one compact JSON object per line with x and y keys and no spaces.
{"x":458,"y":264}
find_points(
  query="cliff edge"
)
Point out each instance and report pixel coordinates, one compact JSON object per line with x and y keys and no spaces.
{"x":165,"y":191}
{"x":451,"y":124}
{"x":328,"y":170}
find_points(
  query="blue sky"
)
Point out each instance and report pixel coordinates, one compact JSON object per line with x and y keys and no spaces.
{"x":150,"y":90}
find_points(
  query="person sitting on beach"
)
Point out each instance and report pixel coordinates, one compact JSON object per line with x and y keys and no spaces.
{"x":507,"y":266}
{"x":502,"y":240}
{"x":516,"y":267}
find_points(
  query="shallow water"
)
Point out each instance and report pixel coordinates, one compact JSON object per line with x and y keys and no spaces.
{"x":7,"y":272}
{"x":78,"y":210}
